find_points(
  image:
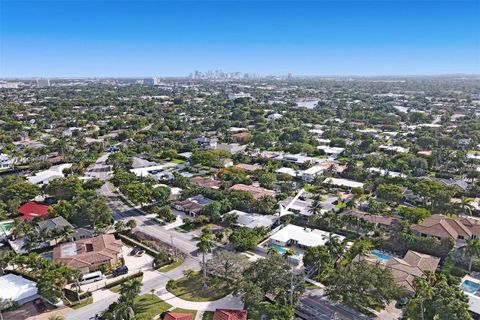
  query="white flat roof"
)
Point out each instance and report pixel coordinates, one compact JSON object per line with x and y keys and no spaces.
{"x":343,"y":182}
{"x":144,"y":172}
{"x":304,"y":236}
{"x":16,"y":288}
{"x":252,"y":220}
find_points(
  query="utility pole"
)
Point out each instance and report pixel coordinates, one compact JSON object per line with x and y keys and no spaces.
{"x":291,"y":289}
{"x":173,"y":248}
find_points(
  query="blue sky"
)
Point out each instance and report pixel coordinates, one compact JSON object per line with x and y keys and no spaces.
{"x":148,"y":38}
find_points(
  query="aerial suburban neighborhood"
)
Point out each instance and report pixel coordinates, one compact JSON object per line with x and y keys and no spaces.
{"x":186,"y":199}
{"x":239,"y":160}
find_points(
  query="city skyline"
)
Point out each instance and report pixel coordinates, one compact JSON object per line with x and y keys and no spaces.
{"x":127,"y":39}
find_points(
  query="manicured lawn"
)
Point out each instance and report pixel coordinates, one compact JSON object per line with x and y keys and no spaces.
{"x":178,"y":161}
{"x":180,"y":310}
{"x":148,"y":305}
{"x":82,"y":304}
{"x":172,"y":266}
{"x":192,"y":289}
{"x":208,"y":315}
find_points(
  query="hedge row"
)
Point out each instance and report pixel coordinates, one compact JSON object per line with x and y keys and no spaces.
{"x":125,"y":279}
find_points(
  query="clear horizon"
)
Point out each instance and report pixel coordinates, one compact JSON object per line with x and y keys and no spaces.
{"x":88,"y":39}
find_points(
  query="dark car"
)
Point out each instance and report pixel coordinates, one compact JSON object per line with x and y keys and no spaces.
{"x":119,"y":271}
{"x":39,"y":305}
{"x":135,"y":250}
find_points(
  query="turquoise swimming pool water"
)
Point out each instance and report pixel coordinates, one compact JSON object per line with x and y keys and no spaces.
{"x":281,"y":251}
{"x":470,"y":286}
{"x":381,"y":255}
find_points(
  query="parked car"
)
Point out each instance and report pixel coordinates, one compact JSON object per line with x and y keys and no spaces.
{"x":140,"y":253}
{"x":119,"y":271}
{"x":135,"y":250}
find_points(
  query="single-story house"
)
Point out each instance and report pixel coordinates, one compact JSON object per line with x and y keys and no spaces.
{"x":253,"y":220}
{"x":44,"y":177}
{"x":33,"y":209}
{"x":302,"y":237}
{"x":248,"y":167}
{"x":169,"y":315}
{"x":88,"y":255}
{"x":17,"y":289}
{"x":192,"y":205}
{"x":255,"y":191}
{"x":206,"y":182}
{"x":372,"y":218}
{"x":229,"y":314}
{"x":345,"y":183}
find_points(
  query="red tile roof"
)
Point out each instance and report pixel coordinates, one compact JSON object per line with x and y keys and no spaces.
{"x":177,"y":316}
{"x":256,"y":192}
{"x":227,"y":314}
{"x":88,"y":252}
{"x":33,"y":209}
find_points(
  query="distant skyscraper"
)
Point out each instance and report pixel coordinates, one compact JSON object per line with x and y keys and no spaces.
{"x":43,"y":83}
{"x":151,"y":81}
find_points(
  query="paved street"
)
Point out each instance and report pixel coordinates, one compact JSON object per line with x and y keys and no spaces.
{"x":152,"y":280}
{"x":315,"y":306}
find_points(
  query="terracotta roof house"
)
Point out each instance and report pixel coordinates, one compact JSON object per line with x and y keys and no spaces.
{"x":440,"y":226}
{"x":88,"y":255}
{"x":206,"y":182}
{"x":241,"y":136}
{"x":256,"y":192}
{"x":227,"y":314}
{"x":33,"y":209}
{"x":177,"y":316}
{"x":372,"y":218}
{"x":413,"y":264}
{"x":192,"y":205}
{"x":404,"y":271}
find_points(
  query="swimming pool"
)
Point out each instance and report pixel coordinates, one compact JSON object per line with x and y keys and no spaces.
{"x":470,"y":286}
{"x":381,"y":255}
{"x":281,"y":251}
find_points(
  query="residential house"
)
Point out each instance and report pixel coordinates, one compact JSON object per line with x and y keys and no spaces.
{"x":88,"y":255}
{"x":169,"y":315}
{"x":404,"y":271}
{"x":440,"y":226}
{"x":54,"y":172}
{"x":255,"y":191}
{"x":33,"y":209}
{"x":229,"y":314}
{"x":192,"y":205}
{"x":17,"y":290}
{"x":253,"y":220}
{"x":344,"y":183}
{"x":206,"y":182}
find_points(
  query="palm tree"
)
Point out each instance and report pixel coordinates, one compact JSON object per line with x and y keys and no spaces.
{"x":205,"y":245}
{"x":423,"y":291}
{"x":272,"y":251}
{"x":466,"y":205}
{"x":472,"y":249}
{"x":123,"y":310}
{"x":119,"y":226}
{"x":131,"y":224}
{"x":130,"y":289}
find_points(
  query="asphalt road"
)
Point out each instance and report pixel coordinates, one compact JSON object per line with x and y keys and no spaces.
{"x":317,"y":307}
{"x":123,"y":211}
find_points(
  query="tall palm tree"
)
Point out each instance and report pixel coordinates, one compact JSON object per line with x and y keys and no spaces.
{"x":466,"y":205}
{"x":205,"y":245}
{"x":472,"y":249}
{"x":130,"y":289}
{"x":123,"y":310}
{"x":131,"y":224}
{"x":423,"y":291}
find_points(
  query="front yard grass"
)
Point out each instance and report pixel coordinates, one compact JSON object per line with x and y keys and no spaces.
{"x":192,"y":288}
{"x":148,"y":306}
{"x":82,"y":303}
{"x":171,"y":266}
